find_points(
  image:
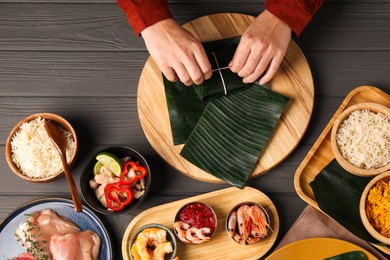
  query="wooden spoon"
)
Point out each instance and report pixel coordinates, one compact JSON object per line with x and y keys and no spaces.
{"x":58,"y":139}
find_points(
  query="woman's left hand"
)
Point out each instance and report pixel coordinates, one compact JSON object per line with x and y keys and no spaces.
{"x":261,"y":48}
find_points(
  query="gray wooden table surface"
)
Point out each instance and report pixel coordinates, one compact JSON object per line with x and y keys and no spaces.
{"x":81,"y":60}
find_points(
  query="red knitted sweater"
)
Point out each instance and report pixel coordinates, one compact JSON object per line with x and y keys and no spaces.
{"x":143,"y":13}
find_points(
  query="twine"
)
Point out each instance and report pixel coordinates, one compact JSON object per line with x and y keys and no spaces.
{"x":220,"y":73}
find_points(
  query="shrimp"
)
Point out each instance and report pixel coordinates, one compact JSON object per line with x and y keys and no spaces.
{"x":156,"y":236}
{"x":244,"y":221}
{"x":232,"y":222}
{"x":259,"y":222}
{"x":191,"y":236}
{"x":151,"y":237}
{"x":181,"y":229}
{"x":201,"y":233}
{"x":140,"y":247}
{"x":162,"y":249}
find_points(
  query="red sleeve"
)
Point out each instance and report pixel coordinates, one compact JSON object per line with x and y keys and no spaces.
{"x":144,"y":13}
{"x":295,"y":13}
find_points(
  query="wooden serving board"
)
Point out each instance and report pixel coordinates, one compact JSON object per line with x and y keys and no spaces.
{"x":293,"y":80}
{"x":221,"y":246}
{"x":321,"y":152}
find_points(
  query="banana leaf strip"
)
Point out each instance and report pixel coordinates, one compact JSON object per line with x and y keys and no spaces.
{"x":184,"y":108}
{"x":338,"y":193}
{"x":232,"y":133}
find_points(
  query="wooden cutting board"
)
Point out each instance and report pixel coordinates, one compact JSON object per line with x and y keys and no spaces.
{"x":321,"y":152}
{"x":293,"y":80}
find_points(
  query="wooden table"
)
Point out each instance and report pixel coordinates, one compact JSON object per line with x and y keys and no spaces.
{"x":81,"y":60}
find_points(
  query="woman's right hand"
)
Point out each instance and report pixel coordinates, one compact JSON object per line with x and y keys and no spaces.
{"x":177,"y":52}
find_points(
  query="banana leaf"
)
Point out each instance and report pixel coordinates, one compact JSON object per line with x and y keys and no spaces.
{"x":184,"y":108}
{"x":338,"y":193}
{"x":185,"y":104}
{"x":232,"y":133}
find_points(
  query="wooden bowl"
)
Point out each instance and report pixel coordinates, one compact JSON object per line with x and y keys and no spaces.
{"x":56,"y":119}
{"x":362,"y":207}
{"x":373,"y":107}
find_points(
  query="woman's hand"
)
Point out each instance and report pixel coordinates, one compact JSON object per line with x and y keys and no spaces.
{"x":177,"y":53}
{"x":261,"y":48}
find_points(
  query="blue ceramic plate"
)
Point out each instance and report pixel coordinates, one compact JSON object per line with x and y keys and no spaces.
{"x":86,"y":219}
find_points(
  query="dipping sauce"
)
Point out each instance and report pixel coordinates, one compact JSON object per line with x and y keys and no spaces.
{"x":198,"y":215}
{"x":195,"y":223}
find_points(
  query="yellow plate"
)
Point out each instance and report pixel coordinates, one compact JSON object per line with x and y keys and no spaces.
{"x":316,"y":249}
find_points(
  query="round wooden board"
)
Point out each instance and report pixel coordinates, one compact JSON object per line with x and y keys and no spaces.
{"x":221,"y":246}
{"x":293,"y":80}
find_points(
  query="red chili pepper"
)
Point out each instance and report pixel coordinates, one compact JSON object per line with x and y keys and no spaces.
{"x":117,"y":195}
{"x":132,"y":172}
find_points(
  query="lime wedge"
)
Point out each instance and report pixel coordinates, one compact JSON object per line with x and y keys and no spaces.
{"x":111,"y":162}
{"x":97,"y":167}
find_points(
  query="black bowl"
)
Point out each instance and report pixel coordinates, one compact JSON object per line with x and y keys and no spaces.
{"x":87,"y":174}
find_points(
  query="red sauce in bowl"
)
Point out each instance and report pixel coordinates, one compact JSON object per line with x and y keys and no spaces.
{"x":198,"y":215}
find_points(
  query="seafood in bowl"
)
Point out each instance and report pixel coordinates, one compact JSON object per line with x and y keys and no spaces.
{"x":153,"y":241}
{"x":195,"y":223}
{"x":248,"y":223}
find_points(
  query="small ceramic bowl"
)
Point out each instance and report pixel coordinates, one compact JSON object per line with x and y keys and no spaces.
{"x":89,"y":194}
{"x":232,"y":224}
{"x":57,"y":120}
{"x":372,"y":107}
{"x":170,"y":237}
{"x":186,"y":223}
{"x":363,"y":207}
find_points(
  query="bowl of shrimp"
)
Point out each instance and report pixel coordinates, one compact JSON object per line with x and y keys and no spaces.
{"x":195,"y":223}
{"x":248,"y":223}
{"x":153,"y":241}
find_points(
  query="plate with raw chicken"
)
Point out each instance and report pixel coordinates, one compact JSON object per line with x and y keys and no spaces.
{"x":48,"y":228}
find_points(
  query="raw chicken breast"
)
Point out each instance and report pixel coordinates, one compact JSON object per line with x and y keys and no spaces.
{"x":75,"y":246}
{"x":36,"y":231}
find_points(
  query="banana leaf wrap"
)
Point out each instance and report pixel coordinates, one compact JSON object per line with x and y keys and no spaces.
{"x":220,"y":53}
{"x":224,"y":133}
{"x":232,"y":133}
{"x":186,"y":104}
{"x":338,"y":193}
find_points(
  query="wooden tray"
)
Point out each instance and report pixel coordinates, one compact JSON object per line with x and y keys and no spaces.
{"x":221,"y":245}
{"x":321,"y":152}
{"x":293,"y":79}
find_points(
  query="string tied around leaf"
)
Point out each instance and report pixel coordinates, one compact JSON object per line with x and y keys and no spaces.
{"x":220,"y":72}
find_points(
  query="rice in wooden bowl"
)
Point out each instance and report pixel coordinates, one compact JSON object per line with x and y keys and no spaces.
{"x":360,"y":139}
{"x":375,"y":207}
{"x":30,"y":153}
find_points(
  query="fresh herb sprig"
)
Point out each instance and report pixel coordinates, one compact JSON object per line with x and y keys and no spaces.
{"x":35,"y":245}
